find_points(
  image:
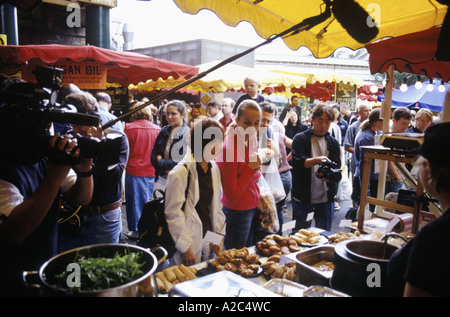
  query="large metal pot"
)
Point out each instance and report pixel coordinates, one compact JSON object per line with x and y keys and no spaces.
{"x":144,"y":286}
{"x":360,"y":267}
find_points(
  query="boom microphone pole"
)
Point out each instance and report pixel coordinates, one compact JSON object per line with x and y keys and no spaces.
{"x":349,"y":14}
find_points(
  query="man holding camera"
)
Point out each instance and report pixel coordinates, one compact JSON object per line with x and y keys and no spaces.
{"x":36,"y":169}
{"x":313,"y":150}
{"x":100,"y":217}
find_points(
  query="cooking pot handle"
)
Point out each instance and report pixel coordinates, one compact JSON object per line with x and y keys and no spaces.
{"x":160,"y":253}
{"x":31,"y":274}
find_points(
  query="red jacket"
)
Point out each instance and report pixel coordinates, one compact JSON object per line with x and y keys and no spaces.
{"x":239,"y":181}
{"x":141,"y":137}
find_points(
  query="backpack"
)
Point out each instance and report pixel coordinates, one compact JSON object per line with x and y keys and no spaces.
{"x":152,"y":226}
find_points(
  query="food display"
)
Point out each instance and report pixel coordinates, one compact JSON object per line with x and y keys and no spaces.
{"x":324,"y":266}
{"x":275,"y":244}
{"x":263,"y":262}
{"x":238,"y":261}
{"x":343,"y":236}
{"x":173,"y":275}
{"x":307,"y":237}
{"x":100,"y":273}
{"x":273,"y":269}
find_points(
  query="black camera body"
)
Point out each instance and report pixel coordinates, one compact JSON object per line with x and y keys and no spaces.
{"x":26,"y":113}
{"x":329,"y":171}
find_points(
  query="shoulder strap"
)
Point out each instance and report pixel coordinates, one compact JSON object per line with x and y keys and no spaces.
{"x":187,"y":187}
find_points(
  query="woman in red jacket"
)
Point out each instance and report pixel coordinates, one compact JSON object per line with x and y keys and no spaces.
{"x":240,"y":169}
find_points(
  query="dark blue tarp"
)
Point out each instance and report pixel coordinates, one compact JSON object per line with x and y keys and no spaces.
{"x":421,"y":98}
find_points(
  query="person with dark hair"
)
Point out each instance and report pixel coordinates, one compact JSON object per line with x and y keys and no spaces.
{"x":280,"y":143}
{"x":420,"y":268}
{"x":194,"y":115}
{"x":105,"y":103}
{"x":292,"y":107}
{"x":214,"y":110}
{"x":309,"y":149}
{"x":102,"y":217}
{"x":401,"y":120}
{"x":64,"y":91}
{"x":36,"y":169}
{"x":202,"y":208}
{"x":292,"y":124}
{"x":171,"y":143}
{"x":341,"y":123}
{"x":366,"y":137}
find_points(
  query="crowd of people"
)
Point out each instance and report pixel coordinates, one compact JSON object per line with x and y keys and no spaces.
{"x":209,"y":162}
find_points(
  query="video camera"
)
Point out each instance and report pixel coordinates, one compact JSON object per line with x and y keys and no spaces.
{"x":329,"y":171}
{"x":26,"y":113}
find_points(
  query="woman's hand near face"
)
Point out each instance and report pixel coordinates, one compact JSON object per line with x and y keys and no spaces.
{"x":254,"y":162}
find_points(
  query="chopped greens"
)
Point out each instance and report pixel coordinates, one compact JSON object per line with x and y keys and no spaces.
{"x":99,"y":273}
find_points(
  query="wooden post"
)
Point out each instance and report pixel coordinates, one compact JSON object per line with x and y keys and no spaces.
{"x":386,"y":115}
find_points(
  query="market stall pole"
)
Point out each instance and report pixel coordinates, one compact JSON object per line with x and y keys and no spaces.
{"x":386,"y":115}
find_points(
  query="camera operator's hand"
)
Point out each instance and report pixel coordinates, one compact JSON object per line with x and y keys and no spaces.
{"x":315,"y":161}
{"x":66,"y":148}
{"x":63,"y":150}
{"x":96,"y":132}
{"x":61,"y":146}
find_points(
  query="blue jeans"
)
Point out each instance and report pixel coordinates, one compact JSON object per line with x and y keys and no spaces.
{"x":286,"y":179}
{"x":323,"y":214}
{"x":138,"y":190}
{"x":240,"y":225}
{"x":95,"y":229}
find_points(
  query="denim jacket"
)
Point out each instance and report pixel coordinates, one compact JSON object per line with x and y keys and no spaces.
{"x":179,"y":135}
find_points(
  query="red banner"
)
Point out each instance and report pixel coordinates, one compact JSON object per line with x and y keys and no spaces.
{"x":85,"y":75}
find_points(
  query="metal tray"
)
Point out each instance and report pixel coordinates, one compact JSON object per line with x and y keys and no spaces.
{"x":285,"y":287}
{"x":306,"y":273}
{"x":322,"y":291}
{"x":220,"y":284}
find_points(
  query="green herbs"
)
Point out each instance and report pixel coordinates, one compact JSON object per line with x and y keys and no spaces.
{"x":98,"y":273}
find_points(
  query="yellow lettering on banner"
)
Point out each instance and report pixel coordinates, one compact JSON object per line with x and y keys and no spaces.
{"x":86,"y":75}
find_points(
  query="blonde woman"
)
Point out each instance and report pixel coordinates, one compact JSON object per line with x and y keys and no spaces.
{"x":424,"y":118}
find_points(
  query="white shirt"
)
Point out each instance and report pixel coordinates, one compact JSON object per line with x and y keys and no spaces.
{"x":10,"y":196}
{"x":319,"y":188}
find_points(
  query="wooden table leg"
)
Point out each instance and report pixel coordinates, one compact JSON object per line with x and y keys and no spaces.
{"x":364,"y":190}
{"x":418,"y":204}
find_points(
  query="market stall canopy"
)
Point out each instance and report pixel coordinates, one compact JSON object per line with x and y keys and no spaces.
{"x":269,"y":17}
{"x":227,"y":78}
{"x":413,"y":53}
{"x":124,"y":68}
{"x":421,"y":98}
{"x":321,"y":86}
{"x":369,"y":91}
